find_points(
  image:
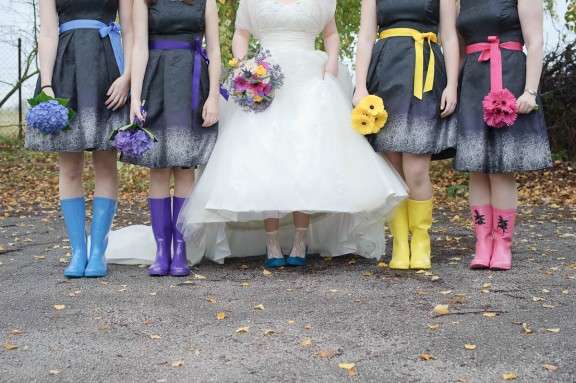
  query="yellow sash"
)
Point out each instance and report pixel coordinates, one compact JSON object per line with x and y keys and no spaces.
{"x":419,"y":86}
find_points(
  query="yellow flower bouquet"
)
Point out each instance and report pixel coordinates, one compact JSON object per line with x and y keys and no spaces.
{"x":369,"y":116}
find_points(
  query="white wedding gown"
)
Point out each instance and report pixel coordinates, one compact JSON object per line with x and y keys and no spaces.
{"x":301,"y":154}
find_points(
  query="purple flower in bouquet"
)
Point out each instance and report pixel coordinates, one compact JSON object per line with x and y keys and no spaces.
{"x":133,"y":140}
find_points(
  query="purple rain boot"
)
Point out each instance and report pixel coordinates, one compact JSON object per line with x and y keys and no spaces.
{"x":161,"y":217}
{"x":179,"y":267}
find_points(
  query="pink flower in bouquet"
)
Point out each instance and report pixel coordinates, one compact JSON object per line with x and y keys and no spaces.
{"x":241,"y":84}
{"x":500,"y":109}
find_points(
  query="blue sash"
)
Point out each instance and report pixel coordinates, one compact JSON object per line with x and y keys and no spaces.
{"x":111,"y":31}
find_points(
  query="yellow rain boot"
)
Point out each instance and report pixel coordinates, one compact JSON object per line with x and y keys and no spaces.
{"x":399,"y":228}
{"x":420,"y":222}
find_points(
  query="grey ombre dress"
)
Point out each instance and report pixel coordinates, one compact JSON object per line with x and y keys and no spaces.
{"x":414,"y":125}
{"x":167,"y":89}
{"x":84,"y":70}
{"x":521,"y":147}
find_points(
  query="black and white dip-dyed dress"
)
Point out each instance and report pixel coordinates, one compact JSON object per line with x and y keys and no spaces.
{"x":84,"y":70}
{"x":523,"y":146}
{"x":167,"y":89}
{"x":414,"y":125}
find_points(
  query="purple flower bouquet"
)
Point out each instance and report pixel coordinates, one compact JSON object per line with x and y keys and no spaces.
{"x":49,"y":115}
{"x":133,"y":140}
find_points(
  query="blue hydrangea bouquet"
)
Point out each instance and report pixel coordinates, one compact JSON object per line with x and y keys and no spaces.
{"x":49,"y":115}
{"x":133,"y":140}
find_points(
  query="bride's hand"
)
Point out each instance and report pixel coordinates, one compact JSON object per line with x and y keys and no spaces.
{"x":210,"y":112}
{"x":331,"y":67}
{"x":359,"y":94}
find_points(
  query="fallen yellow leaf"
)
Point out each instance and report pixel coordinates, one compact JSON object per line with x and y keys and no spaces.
{"x":221,"y":315}
{"x":178,"y":363}
{"x":553,"y":330}
{"x":433,"y":327}
{"x":469,"y":346}
{"x":54,"y":372}
{"x":441,"y":310}
{"x":306,"y":342}
{"x":16,"y":332}
{"x":199,"y":277}
{"x":9,"y":346}
{"x":242,"y":330}
{"x":509,"y":376}
{"x":350,"y":368}
{"x":527,"y":330}
{"x":550,"y":367}
{"x":259,"y":307}
{"x":155,"y":337}
{"x":382,"y":265}
{"x":327,"y":354}
{"x":269,"y":332}
{"x":211,"y":300}
{"x":266,"y":273}
{"x":59,"y":307}
{"x":426,"y":357}
{"x":489,"y":315}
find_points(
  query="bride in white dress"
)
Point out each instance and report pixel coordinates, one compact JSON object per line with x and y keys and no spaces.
{"x":300,"y":156}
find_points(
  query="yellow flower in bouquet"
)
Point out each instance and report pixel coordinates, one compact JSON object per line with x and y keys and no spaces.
{"x":369,"y":116}
{"x":362,"y":122}
{"x":261,"y":71}
{"x":372,"y":105}
{"x":234,"y":63}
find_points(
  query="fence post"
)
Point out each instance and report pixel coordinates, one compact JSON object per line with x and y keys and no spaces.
{"x":20,"y":120}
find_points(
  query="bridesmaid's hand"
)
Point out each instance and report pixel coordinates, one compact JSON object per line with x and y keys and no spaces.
{"x":118,"y":93}
{"x":359,"y":94}
{"x":526,"y":103}
{"x":449,"y":101}
{"x":210,"y":112}
{"x":136,"y":110}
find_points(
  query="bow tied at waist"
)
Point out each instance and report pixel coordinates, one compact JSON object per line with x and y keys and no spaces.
{"x":111,"y":31}
{"x":492,"y":51}
{"x":421,"y":86}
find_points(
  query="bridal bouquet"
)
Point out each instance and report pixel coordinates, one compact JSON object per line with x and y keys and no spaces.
{"x":254,"y":82}
{"x":48,"y":114}
{"x":369,"y":116}
{"x":133,"y":140}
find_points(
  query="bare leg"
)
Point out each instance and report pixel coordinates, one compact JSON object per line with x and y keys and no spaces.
{"x":183,"y":182}
{"x":480,"y":190}
{"x":395,"y":160}
{"x":301,"y":222}
{"x":504,"y":191}
{"x":272,"y":241}
{"x":70,"y":175}
{"x":416,"y":169}
{"x":160,"y":183}
{"x":105,"y":174}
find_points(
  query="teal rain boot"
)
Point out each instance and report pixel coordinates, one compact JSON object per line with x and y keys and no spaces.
{"x":103,"y":211}
{"x":74,"y":212}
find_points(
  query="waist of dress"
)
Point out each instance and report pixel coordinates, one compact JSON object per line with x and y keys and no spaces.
{"x":286,"y":41}
{"x":421,"y":85}
{"x":487,"y":49}
{"x":111,"y":31}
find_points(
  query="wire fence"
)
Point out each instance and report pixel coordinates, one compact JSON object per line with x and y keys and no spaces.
{"x":16,"y":85}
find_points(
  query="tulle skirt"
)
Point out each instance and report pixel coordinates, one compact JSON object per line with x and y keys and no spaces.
{"x":301,"y":154}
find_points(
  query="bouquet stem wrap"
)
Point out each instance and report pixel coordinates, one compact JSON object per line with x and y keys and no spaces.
{"x":500,"y":104}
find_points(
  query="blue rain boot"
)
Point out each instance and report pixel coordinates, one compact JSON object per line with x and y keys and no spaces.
{"x":74,"y":212}
{"x":103,"y":210}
